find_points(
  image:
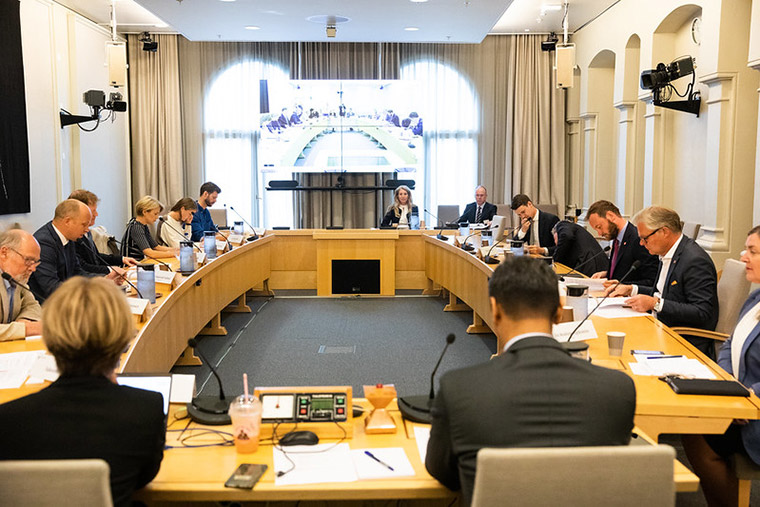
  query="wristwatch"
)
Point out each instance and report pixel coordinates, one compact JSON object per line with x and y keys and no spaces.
{"x":658,"y":304}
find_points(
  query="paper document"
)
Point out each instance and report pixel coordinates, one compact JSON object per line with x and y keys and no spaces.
{"x":183,"y":388}
{"x":593,"y":284}
{"x":44,"y":369}
{"x":368,"y":468}
{"x":613,"y":308}
{"x":235,"y":239}
{"x":422,"y":435}
{"x":164,"y":276}
{"x":561,"y":332}
{"x":137,"y":305}
{"x":313,"y":464}
{"x":15,"y":367}
{"x":672,"y":365}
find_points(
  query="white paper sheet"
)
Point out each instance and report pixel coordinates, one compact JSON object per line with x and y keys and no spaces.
{"x":612,"y":308}
{"x":15,"y":367}
{"x":314,"y":464}
{"x":422,"y":435}
{"x":679,"y":365}
{"x":368,"y":468}
{"x":183,"y":388}
{"x":562,"y":331}
{"x":44,"y":369}
{"x":593,"y":284}
{"x":163,"y":276}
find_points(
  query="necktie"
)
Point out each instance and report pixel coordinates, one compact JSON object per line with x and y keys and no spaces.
{"x":11,"y":295}
{"x":478,"y":214}
{"x":615,"y":252}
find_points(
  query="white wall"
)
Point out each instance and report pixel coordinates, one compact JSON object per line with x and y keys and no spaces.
{"x":703,"y":167}
{"x":64,"y":56}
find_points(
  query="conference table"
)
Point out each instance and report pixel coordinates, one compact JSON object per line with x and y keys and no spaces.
{"x":408,"y":260}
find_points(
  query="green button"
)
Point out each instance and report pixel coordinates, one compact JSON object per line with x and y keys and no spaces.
{"x":303,"y":401}
{"x":339,"y":400}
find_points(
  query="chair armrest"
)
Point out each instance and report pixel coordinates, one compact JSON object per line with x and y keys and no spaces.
{"x":702,"y":333}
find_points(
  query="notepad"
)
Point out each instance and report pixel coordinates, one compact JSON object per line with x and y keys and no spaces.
{"x":313,"y":464}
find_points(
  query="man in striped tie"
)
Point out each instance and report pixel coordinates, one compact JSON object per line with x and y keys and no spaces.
{"x":480,"y":211}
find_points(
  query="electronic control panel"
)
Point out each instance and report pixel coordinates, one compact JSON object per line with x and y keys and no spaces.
{"x":305,"y":406}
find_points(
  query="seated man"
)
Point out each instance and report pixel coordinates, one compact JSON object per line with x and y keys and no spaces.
{"x":90,"y":259}
{"x":685,"y":290}
{"x":577,"y":249}
{"x":534,"y":394}
{"x":58,"y":253}
{"x":480,"y":211}
{"x":539,"y":238}
{"x":202,"y":220}
{"x":605,"y":218}
{"x":19,"y":311}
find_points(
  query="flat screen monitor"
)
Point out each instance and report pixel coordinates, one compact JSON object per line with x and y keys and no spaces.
{"x":498,"y":223}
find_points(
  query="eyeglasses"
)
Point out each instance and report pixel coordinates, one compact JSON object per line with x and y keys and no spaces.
{"x":644,"y":239}
{"x":29,"y":261}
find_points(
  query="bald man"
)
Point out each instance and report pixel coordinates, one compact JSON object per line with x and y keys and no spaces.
{"x":20,"y":313}
{"x":58,"y":254}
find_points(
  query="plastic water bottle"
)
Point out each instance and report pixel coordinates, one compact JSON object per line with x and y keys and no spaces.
{"x":146,"y":281}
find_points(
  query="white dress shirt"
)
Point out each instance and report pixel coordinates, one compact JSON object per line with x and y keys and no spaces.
{"x":660,"y":286}
{"x":519,"y":337}
{"x":60,"y":235}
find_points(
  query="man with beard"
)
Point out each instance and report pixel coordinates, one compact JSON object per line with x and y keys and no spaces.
{"x":19,"y":311}
{"x":605,"y":218}
{"x":202,"y":221}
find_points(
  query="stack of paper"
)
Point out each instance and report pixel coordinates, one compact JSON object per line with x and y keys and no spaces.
{"x":15,"y":367}
{"x":661,"y":365}
{"x":613,"y":308}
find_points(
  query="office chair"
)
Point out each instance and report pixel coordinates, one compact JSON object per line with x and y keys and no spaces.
{"x":55,"y":482}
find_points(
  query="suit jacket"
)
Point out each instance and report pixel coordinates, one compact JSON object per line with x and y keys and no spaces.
{"x":88,"y":256}
{"x":690,"y":293}
{"x":748,"y":374}
{"x":533,"y":395}
{"x":577,"y":248}
{"x":546,"y":223}
{"x":391,"y":217}
{"x":489,"y":210}
{"x":632,"y":250}
{"x":58,"y":263}
{"x":89,"y":417}
{"x":24,"y":307}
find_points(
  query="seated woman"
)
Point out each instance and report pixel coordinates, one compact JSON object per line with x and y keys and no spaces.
{"x":401,"y":210}
{"x":177,"y":227}
{"x":87,"y":326}
{"x":739,"y":356}
{"x":138,"y":242}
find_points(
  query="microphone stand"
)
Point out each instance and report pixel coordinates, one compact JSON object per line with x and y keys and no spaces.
{"x":122,"y":276}
{"x":417,"y":408}
{"x":633,"y":268}
{"x":488,"y":259}
{"x":166,"y":222}
{"x":438,"y":221}
{"x":211,"y":410}
{"x":229,"y":245}
{"x":466,"y":247}
{"x":249,"y":238}
{"x":24,"y":286}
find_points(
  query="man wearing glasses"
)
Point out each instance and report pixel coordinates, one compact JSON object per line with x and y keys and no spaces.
{"x":19,"y":312}
{"x":685,"y":291}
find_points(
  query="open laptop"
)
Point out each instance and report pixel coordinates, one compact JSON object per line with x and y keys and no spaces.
{"x":159,"y":382}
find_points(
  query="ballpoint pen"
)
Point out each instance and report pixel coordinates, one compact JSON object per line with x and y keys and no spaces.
{"x":386,"y":465}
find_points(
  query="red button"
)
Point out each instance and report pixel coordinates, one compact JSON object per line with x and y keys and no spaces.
{"x":303,"y":411}
{"x":340,"y":410}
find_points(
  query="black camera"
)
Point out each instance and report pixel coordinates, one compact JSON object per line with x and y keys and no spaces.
{"x":664,"y":74}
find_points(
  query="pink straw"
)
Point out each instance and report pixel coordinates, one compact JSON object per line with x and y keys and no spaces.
{"x":245,"y":385}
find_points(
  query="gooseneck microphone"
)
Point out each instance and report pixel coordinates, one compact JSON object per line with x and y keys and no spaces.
{"x":122,"y":276}
{"x":439,"y":222}
{"x":146,"y":255}
{"x":466,"y":246}
{"x":490,"y":260}
{"x":417,"y":408}
{"x":633,"y":268}
{"x":164,"y":221}
{"x":211,"y":410}
{"x":229,"y":245}
{"x":249,"y":238}
{"x":24,"y":286}
{"x":576,"y":268}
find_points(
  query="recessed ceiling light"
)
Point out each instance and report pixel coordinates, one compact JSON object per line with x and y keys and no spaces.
{"x":418,"y":1}
{"x":411,"y":28}
{"x":252,"y":27}
{"x":226,"y":0}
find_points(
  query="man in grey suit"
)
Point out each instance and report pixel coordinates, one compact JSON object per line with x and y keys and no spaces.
{"x":534,"y":394}
{"x":19,"y":312}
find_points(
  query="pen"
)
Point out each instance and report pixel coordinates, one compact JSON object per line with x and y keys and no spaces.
{"x":663,"y":357}
{"x":386,"y":465}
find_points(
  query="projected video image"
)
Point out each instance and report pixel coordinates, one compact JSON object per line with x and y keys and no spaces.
{"x":341,"y":126}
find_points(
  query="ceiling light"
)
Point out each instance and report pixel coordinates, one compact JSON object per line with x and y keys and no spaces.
{"x":418,"y":1}
{"x":252,"y":27}
{"x":411,"y":28}
{"x":527,"y":29}
{"x":226,"y":0}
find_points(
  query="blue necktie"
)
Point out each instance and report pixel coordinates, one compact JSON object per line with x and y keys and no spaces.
{"x":11,"y":295}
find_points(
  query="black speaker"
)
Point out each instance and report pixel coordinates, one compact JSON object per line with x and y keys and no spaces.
{"x":397,"y":183}
{"x":283,"y":184}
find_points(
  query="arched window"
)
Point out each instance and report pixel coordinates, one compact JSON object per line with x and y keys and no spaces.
{"x":450,"y":131}
{"x":230,"y":136}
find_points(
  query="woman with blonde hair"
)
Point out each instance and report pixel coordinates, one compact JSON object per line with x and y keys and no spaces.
{"x":87,"y":326}
{"x":138,"y":242}
{"x":400,"y":212}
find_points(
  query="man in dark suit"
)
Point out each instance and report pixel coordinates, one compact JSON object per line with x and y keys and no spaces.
{"x":540,"y":238}
{"x":685,"y":289}
{"x":90,"y":259}
{"x":480,"y":211}
{"x":577,"y":248}
{"x":58,"y":254}
{"x":534,"y":394}
{"x":605,"y":218}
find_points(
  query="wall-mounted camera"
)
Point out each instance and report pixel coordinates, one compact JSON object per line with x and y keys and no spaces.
{"x":148,"y":43}
{"x":96,"y":100}
{"x":659,"y":81}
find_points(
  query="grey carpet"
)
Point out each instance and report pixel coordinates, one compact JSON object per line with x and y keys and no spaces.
{"x":321,"y":341}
